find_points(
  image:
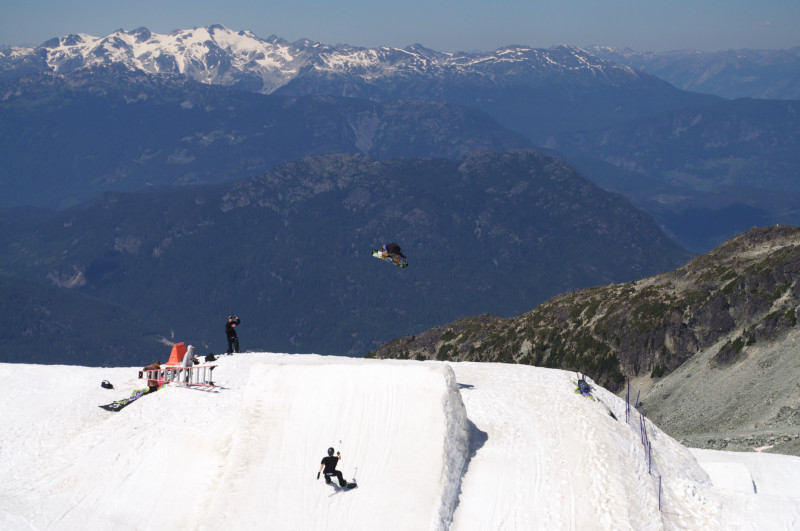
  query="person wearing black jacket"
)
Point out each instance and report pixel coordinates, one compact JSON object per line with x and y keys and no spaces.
{"x":230,"y":333}
{"x":328,"y":468}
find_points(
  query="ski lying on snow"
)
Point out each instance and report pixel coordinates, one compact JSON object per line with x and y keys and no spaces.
{"x":119,"y":404}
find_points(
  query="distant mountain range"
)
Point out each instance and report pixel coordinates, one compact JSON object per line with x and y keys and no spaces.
{"x":289,"y":252}
{"x":764,"y":74}
{"x":218,"y":55}
{"x":525,"y":88}
{"x":205,"y":105}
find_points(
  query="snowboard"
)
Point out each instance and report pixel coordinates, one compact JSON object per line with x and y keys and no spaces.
{"x":392,"y":258}
{"x":119,"y":404}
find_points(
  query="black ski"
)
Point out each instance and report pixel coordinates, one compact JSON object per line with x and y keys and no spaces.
{"x":348,"y":486}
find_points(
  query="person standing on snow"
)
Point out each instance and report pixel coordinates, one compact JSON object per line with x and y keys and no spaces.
{"x":328,"y":468}
{"x":230,"y":333}
{"x":188,"y":361}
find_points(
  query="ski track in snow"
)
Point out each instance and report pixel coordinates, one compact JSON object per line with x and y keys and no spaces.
{"x":461,"y":446}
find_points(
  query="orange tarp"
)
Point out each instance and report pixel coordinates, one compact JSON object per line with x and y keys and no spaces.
{"x":177,"y":354}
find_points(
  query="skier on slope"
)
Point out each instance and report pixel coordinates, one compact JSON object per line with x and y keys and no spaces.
{"x":329,"y":465}
{"x":583,"y":386}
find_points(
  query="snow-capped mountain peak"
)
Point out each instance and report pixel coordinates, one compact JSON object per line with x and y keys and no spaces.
{"x":214,"y":54}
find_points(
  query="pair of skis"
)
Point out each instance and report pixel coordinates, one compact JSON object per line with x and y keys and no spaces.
{"x":350,"y":484}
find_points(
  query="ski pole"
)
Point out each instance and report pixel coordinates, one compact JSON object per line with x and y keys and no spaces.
{"x":340,"y":450}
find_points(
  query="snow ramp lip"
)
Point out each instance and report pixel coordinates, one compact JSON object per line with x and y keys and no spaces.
{"x":401,"y":428}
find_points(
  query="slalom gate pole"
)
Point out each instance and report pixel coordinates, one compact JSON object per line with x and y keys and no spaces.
{"x":659,"y":493}
{"x":644,"y":429}
{"x":628,"y":401}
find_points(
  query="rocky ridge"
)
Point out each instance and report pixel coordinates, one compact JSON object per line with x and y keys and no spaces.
{"x":742,"y":293}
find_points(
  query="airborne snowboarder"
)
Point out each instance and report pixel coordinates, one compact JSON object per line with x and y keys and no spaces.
{"x":391,"y":253}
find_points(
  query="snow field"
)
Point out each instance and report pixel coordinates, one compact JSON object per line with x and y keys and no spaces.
{"x":460,"y":446}
{"x":733,"y":476}
{"x":242,"y":457}
{"x":771,"y":474}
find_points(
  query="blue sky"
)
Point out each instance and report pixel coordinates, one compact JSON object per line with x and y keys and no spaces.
{"x":445,"y":25}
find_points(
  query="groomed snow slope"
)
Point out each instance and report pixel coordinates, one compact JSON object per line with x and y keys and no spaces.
{"x":406,"y":424}
{"x":438,"y":446}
